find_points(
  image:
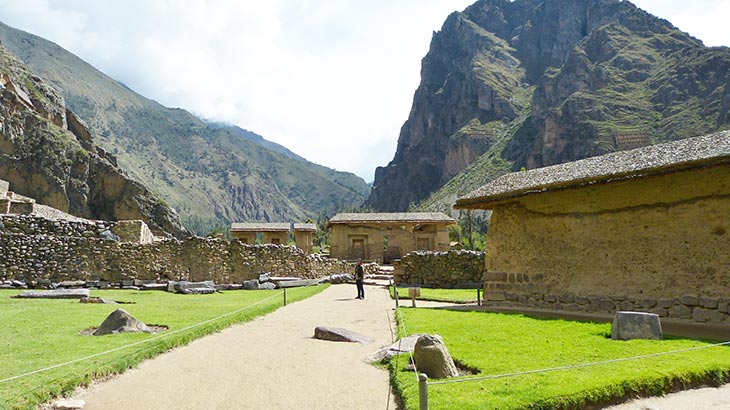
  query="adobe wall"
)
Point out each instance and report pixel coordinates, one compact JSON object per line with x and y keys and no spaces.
{"x":657,"y":244}
{"x":34,"y":248}
{"x":443,"y":270}
{"x":404,"y":238}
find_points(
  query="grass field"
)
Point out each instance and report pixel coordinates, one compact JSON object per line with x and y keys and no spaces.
{"x":441,"y":295}
{"x":494,"y":344}
{"x":37,"y":334}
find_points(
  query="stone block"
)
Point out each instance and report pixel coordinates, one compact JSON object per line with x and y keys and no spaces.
{"x":432,"y":358}
{"x":495,"y":296}
{"x":665,"y":303}
{"x":495,"y":276}
{"x":659,"y":311}
{"x":723,"y":306}
{"x":567,"y":298}
{"x":708,"y":303}
{"x":336,"y":334}
{"x":646,"y":303}
{"x":607,"y":304}
{"x":716,"y":317}
{"x":580,"y":300}
{"x":252,"y":284}
{"x":689,"y":300}
{"x":680,"y":312}
{"x":550,"y":298}
{"x":700,"y":315}
{"x":636,"y":325}
{"x":56,"y":294}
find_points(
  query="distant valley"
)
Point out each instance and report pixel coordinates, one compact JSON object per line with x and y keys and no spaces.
{"x":211,"y":174}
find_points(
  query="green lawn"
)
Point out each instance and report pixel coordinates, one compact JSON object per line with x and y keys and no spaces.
{"x":36,"y":334}
{"x":440,"y":295}
{"x":496,"y":344}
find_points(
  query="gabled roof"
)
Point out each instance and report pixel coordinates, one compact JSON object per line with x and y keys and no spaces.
{"x":306,"y":227}
{"x":391,"y":218}
{"x":260,"y":227}
{"x":638,"y":163}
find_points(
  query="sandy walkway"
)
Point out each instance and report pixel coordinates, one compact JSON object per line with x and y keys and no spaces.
{"x":707,"y":398}
{"x":270,"y":363}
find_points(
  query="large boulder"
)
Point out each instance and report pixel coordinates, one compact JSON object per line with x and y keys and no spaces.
{"x":336,"y":334}
{"x":120,"y":321}
{"x":433,"y":358}
{"x":636,"y":325}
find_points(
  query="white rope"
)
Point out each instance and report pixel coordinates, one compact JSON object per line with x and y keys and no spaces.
{"x":138,"y":343}
{"x":578,"y":366}
{"x":405,"y":334}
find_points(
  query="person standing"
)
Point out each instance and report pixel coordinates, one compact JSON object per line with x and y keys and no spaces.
{"x":359,"y":276}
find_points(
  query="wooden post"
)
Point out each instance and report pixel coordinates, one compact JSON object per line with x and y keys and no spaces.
{"x":423,"y":391}
{"x":284,"y":296}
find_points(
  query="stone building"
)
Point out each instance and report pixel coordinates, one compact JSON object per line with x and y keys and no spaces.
{"x":276,"y":233}
{"x":387,"y":236}
{"x":642,"y":228}
{"x":304,"y":235}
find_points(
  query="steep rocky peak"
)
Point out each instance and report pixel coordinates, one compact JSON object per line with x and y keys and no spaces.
{"x":537,"y":82}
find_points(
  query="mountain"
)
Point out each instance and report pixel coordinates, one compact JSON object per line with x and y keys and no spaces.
{"x":48,"y":153}
{"x":212,"y":174}
{"x":531,"y":83}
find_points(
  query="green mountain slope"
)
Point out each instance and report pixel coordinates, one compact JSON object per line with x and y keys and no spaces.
{"x":210,"y":174}
{"x":531,"y":83}
{"x":46,"y":153}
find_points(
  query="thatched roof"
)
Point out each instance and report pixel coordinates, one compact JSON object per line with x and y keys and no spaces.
{"x":391,"y":218}
{"x":306,"y":227}
{"x":638,"y":163}
{"x":260,"y":227}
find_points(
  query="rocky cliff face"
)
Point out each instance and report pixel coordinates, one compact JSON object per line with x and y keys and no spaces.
{"x":47,"y":153}
{"x":532,"y":83}
{"x":213,"y":174}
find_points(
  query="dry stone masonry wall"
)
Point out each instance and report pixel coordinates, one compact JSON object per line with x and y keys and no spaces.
{"x":446,"y":270}
{"x":37,"y":250}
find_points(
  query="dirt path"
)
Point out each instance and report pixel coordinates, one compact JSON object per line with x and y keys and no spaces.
{"x":707,"y":398}
{"x":269,"y":363}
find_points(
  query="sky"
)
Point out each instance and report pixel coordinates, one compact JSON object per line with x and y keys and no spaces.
{"x":332,"y":80}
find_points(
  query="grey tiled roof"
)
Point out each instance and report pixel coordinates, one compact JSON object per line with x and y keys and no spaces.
{"x":636,"y":163}
{"x":305,"y":227}
{"x":260,"y":227}
{"x":396,"y":217}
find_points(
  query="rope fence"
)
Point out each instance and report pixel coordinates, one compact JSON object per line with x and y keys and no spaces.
{"x":423,"y":382}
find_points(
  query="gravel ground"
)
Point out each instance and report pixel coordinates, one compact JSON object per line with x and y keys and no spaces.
{"x":272,"y":362}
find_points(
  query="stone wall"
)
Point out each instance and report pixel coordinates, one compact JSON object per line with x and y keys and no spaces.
{"x":37,"y":249}
{"x":655,"y":244}
{"x":443,"y":270}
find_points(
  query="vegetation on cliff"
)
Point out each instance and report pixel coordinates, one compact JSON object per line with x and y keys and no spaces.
{"x":211,"y":174}
{"x":48,"y":154}
{"x":529,"y":83}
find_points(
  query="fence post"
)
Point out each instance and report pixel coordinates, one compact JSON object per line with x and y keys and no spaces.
{"x":284,"y":296}
{"x":422,"y":391}
{"x":479,"y":296}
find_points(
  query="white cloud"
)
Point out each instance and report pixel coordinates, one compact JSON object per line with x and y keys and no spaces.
{"x":331,"y":80}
